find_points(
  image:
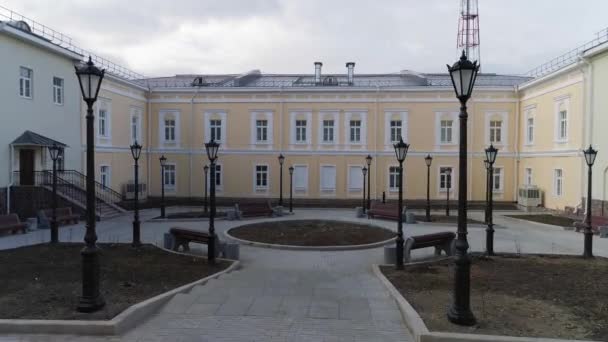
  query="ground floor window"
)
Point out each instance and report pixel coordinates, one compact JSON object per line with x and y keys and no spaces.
{"x":169,"y":173}
{"x":558,"y":182}
{"x":498,"y":179}
{"x":261,"y":176}
{"x":445,"y":178}
{"x":104,"y":176}
{"x":393,"y":178}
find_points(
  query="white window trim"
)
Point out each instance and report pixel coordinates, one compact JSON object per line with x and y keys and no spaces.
{"x":504,"y":129}
{"x":105,"y":104}
{"x":292,"y":125}
{"x":329,"y":115}
{"x":354,"y":115}
{"x":109,"y":174}
{"x":62,"y":88}
{"x":211,"y":115}
{"x":453,"y":176}
{"x":171,"y":188}
{"x":301,"y":190}
{"x":404,"y":117}
{"x":530,"y":114}
{"x":261,"y":189}
{"x":388,"y":178}
{"x":447,"y":115}
{"x":348,"y":188}
{"x":555,"y":182}
{"x":31,"y":79}
{"x":136,"y":112}
{"x":501,"y":185}
{"x":327,"y":191}
{"x":161,"y":131}
{"x":565,"y":101}
{"x":218,"y":188}
{"x":260,"y":115}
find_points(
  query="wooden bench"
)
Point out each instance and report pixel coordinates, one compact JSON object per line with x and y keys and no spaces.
{"x":443,"y":241}
{"x":12,"y":223}
{"x":64,"y":215}
{"x":183,"y":236}
{"x":596,"y":223}
{"x":384,"y":210}
{"x":253,"y":209}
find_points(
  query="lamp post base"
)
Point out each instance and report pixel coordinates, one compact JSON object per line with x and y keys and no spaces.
{"x":588,"y":252}
{"x":136,"y":235}
{"x":461,"y":316}
{"x":91,"y":299}
{"x":490,"y":239}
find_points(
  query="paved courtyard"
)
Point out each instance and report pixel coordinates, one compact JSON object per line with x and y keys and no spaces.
{"x":281,"y":295}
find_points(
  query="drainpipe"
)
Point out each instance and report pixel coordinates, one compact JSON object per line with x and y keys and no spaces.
{"x":191,"y":142}
{"x":281,"y":119}
{"x":148,"y":138}
{"x":587,"y":127}
{"x":516,"y":159}
{"x":376,"y":154}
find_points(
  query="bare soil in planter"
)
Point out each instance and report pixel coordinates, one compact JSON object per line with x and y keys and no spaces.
{"x":536,"y":296}
{"x":44,"y":281}
{"x":312,"y":233}
{"x":445,"y":219}
{"x":547,"y":219}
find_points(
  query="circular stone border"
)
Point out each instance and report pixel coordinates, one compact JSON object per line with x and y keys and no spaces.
{"x":308,"y":248}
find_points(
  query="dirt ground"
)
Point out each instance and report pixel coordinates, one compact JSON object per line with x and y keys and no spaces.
{"x":312,"y":233}
{"x":535,"y":296}
{"x":44,"y":281}
{"x":192,"y":214}
{"x":445,"y":219}
{"x":548,"y":219}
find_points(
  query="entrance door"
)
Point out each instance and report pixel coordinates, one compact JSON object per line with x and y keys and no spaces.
{"x":26,"y":167}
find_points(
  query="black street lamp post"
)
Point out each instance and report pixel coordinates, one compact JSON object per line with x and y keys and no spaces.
{"x":163,"y":162}
{"x":590,"y":155}
{"x":400,"y":152}
{"x":368,"y":160}
{"x":291,"y":189}
{"x":136,"y":152}
{"x":491,"y":153}
{"x":486,"y":164}
{"x":89,"y":78}
{"x":463,"y":74}
{"x":54,"y":152}
{"x":206,"y":170}
{"x":212,"y":149}
{"x":281,"y":160}
{"x":364,"y":170}
{"x":448,"y":187}
{"x":428,"y":160}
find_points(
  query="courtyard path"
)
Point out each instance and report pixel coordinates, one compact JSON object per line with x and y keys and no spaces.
{"x":295,"y":295}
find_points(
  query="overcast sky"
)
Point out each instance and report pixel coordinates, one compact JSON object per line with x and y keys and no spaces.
{"x":165,"y":37}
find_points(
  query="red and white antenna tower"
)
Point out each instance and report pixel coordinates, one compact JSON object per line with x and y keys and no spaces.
{"x":468,"y":30}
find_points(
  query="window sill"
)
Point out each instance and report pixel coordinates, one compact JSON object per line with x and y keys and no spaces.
{"x":561,"y":141}
{"x":58,"y":104}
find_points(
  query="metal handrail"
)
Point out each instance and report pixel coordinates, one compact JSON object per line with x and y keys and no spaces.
{"x":104,"y":193}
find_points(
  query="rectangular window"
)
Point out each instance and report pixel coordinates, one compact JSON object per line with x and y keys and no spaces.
{"x":103,"y":122}
{"x":58,"y":90}
{"x":328,"y":178}
{"x":300,"y":177}
{"x":355,"y":131}
{"x":530,"y":130}
{"x":169,"y":175}
{"x":446,"y":131}
{"x":528,"y":176}
{"x":169,"y":129}
{"x":497,"y":181}
{"x":218,"y":175}
{"x":300,"y":131}
{"x":25,"y":82}
{"x":563,"y":125}
{"x":261,"y":176}
{"x":135,"y":128}
{"x":445,"y":178}
{"x":104,"y":176}
{"x":495,"y":131}
{"x":396,"y":130}
{"x":393,"y":178}
{"x":558,"y":182}
{"x":355,"y":178}
{"x":215,"y":129}
{"x":328,"y":130}
{"x":261,"y":128}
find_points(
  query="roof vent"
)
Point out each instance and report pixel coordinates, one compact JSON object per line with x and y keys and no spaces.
{"x":351,"y":72}
{"x":318,"y":66}
{"x":199,"y":81}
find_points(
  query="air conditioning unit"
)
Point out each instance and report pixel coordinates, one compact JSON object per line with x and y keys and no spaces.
{"x":530,"y":196}
{"x":128,"y":191}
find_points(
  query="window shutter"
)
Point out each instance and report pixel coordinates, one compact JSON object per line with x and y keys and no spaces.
{"x":301,"y":177}
{"x":328,"y":178}
{"x":355,"y":178}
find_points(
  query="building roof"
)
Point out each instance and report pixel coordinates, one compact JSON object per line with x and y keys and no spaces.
{"x":255,"y":79}
{"x":30,"y":138}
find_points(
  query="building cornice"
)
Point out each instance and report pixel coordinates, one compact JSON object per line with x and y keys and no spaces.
{"x":39,"y":42}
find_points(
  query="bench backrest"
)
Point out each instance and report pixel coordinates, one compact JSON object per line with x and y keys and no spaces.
{"x":189,"y":233}
{"x":9,"y":219}
{"x":428,"y":238}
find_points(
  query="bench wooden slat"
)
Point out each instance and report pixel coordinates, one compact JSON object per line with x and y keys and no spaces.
{"x":11,"y":223}
{"x":183,"y":237}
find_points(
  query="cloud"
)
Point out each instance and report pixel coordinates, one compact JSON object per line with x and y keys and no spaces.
{"x":157,"y":37}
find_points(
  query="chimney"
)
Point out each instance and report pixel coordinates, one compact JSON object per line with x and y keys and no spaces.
{"x":318,"y":66}
{"x":351,"y":72}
